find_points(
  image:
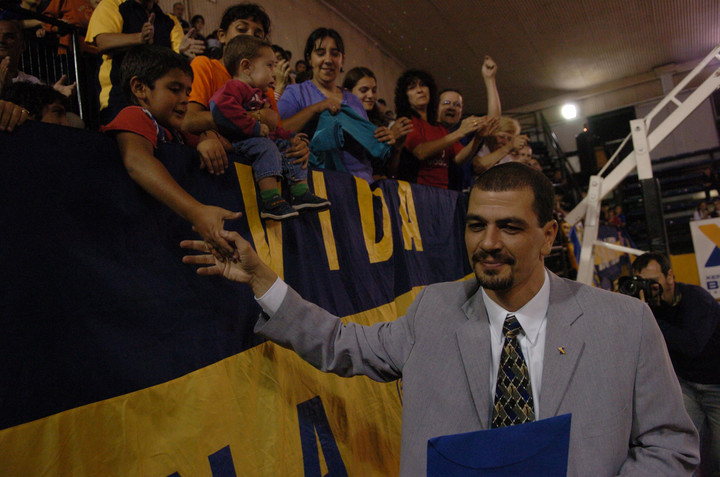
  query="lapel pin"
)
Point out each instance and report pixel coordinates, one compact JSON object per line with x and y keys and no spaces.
{"x":562,"y":350}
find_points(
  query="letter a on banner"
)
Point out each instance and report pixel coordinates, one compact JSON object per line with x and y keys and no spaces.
{"x":410,"y":228}
{"x":312,"y":419}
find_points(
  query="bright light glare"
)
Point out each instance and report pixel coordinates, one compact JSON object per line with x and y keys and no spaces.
{"x":569,"y":111}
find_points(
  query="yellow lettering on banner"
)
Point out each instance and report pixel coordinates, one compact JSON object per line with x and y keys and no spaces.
{"x":410,"y":229}
{"x":377,"y":251}
{"x":325,"y":223}
{"x":270,"y":250}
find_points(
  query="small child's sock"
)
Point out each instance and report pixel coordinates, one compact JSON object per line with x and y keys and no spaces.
{"x":299,"y":189}
{"x":268,"y":194}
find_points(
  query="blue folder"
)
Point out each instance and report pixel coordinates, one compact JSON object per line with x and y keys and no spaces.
{"x":534,"y":449}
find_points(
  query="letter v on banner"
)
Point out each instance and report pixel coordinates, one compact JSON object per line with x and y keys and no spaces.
{"x":270,"y":251}
{"x":410,"y":228}
{"x":377,"y":251}
{"x":312,"y":419}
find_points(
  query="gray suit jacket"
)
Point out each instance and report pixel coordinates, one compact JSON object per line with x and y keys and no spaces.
{"x":615,"y":377}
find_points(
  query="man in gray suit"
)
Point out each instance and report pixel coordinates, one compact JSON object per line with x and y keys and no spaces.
{"x":592,"y":353}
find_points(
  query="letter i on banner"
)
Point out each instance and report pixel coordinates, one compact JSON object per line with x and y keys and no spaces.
{"x":325,"y":223}
{"x":410,"y":229}
{"x":270,"y":251}
{"x":377,"y":251}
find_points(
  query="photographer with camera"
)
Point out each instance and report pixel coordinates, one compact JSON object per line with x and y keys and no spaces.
{"x":688,"y":317}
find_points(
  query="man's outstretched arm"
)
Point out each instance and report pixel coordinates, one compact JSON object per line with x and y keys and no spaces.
{"x":378,"y":351}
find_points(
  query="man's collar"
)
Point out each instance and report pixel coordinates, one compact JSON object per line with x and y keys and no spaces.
{"x":531,"y":315}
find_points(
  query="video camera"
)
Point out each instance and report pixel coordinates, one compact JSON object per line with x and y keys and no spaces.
{"x":645,"y":289}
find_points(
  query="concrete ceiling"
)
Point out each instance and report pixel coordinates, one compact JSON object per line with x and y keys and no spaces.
{"x":544,"y":48}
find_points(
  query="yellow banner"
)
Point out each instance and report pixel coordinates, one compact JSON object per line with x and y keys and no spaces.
{"x":242,"y":412}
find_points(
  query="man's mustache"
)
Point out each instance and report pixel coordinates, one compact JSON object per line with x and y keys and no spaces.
{"x":482,"y":255}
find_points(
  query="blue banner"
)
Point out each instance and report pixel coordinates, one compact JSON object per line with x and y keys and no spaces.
{"x":96,"y":303}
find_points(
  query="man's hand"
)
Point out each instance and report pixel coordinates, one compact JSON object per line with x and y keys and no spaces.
{"x":11,"y":115}
{"x":299,"y":150}
{"x":212,"y":154}
{"x":264,"y":130}
{"x":190,"y":46}
{"x":244,"y":266}
{"x":489,"y":68}
{"x":65,"y":89}
{"x":209,"y":221}
{"x":147,"y":33}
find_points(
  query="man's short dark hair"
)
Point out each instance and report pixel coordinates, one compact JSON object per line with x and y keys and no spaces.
{"x":150,"y":63}
{"x":242,"y":46}
{"x":515,"y":176}
{"x":246,"y":11}
{"x":644,"y":260}
{"x":33,"y":96}
{"x":402,"y":103}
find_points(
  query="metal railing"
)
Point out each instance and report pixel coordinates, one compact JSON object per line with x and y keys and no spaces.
{"x":45,"y":59}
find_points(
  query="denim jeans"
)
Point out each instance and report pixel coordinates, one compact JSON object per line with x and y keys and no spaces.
{"x":269,"y":159}
{"x":702,"y":402}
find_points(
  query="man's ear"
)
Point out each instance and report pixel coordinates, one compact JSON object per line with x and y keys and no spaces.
{"x":549,"y":232}
{"x":221,"y":36}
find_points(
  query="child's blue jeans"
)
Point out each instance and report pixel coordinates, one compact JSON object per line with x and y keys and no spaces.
{"x":269,"y":159}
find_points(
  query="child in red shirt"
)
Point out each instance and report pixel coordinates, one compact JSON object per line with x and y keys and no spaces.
{"x":157,"y":82}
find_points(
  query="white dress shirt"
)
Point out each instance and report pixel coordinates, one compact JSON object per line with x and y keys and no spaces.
{"x":533,"y":319}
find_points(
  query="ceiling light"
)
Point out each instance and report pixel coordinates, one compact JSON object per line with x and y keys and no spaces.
{"x":569,"y":111}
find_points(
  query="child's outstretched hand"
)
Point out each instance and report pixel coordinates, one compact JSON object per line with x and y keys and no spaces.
{"x":208,"y":221}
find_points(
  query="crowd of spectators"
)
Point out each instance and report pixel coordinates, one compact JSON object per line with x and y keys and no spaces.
{"x":426,"y":139}
{"x":427,"y":134}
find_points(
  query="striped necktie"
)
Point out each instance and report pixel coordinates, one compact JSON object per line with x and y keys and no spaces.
{"x":513,"y":392}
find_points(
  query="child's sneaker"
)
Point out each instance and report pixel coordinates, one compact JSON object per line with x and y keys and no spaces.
{"x":309,"y":201}
{"x":277,"y":208}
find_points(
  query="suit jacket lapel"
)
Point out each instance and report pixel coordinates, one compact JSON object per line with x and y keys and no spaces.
{"x":563,"y":346}
{"x":474,"y":342}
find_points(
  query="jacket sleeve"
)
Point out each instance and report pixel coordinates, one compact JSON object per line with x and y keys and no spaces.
{"x":663,"y":440}
{"x":378,"y":351}
{"x":226,"y":106}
